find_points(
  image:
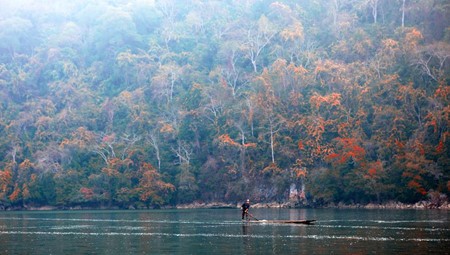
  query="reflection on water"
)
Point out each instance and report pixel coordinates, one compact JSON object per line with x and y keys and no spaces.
{"x":244,"y":229}
{"x":222,"y":232}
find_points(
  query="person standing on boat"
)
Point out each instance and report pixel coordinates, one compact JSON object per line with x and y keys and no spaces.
{"x":245,"y":206}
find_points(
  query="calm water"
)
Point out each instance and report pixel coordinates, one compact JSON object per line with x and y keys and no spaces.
{"x":220,"y":231}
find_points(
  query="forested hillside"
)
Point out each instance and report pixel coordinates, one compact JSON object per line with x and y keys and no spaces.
{"x":153,"y":103}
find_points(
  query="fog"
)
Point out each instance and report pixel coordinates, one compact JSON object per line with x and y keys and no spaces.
{"x":157,"y":103}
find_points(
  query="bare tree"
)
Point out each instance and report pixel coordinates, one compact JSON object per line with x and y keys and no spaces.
{"x":183,"y":152}
{"x":128,"y":142}
{"x":432,"y":60}
{"x":374,"y":5}
{"x":258,"y":38}
{"x":165,"y":80}
{"x":274,"y":126}
{"x":232,"y":74}
{"x":153,"y":139}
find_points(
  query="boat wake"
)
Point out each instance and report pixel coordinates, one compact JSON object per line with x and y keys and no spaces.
{"x":316,"y":237}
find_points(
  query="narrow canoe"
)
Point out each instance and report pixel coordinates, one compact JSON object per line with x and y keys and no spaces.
{"x":307,"y":222}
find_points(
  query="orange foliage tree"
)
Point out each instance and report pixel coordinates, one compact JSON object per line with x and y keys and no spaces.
{"x":152,"y":190}
{"x":348,"y":150}
{"x":417,"y":171}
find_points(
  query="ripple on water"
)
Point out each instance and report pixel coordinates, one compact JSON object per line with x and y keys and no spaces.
{"x":317,"y":237}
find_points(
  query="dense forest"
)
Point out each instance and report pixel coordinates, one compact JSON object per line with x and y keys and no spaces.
{"x":158,"y":103}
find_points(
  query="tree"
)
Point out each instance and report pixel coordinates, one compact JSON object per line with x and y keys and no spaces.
{"x":225,"y":140}
{"x":268,"y":104}
{"x":187,"y":188}
{"x":231,"y":72}
{"x":152,"y":190}
{"x":433,"y":60}
{"x":5,"y":184}
{"x":376,"y":177}
{"x":153,"y":140}
{"x":113,"y":32}
{"x":165,"y":80}
{"x":14,"y":32}
{"x":21,"y":178}
{"x":171,"y":28}
{"x":258,"y":38}
{"x":113,"y":177}
{"x":385,"y":58}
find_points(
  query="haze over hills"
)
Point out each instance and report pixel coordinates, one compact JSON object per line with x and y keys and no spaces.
{"x":155,"y":103}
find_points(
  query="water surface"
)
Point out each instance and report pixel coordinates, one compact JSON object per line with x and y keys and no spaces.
{"x":220,"y":231}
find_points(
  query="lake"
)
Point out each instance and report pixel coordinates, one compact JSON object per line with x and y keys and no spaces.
{"x":220,"y":231}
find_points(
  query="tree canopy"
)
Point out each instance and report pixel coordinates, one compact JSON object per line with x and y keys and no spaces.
{"x":154,"y":103}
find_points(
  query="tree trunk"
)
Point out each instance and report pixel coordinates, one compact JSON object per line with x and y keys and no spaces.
{"x":271,"y":144}
{"x":403,"y":13}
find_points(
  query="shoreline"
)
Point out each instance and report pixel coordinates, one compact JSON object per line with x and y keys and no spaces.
{"x":422,"y":205}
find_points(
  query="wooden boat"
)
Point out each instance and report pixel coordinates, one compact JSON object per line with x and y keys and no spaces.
{"x":306,"y":222}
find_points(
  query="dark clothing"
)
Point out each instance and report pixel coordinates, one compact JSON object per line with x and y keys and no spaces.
{"x":245,"y":208}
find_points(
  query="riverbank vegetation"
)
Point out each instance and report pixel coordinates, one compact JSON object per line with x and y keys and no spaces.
{"x":136,"y":104}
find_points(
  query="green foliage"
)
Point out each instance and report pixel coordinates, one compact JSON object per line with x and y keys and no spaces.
{"x":15,"y":33}
{"x":153,"y":103}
